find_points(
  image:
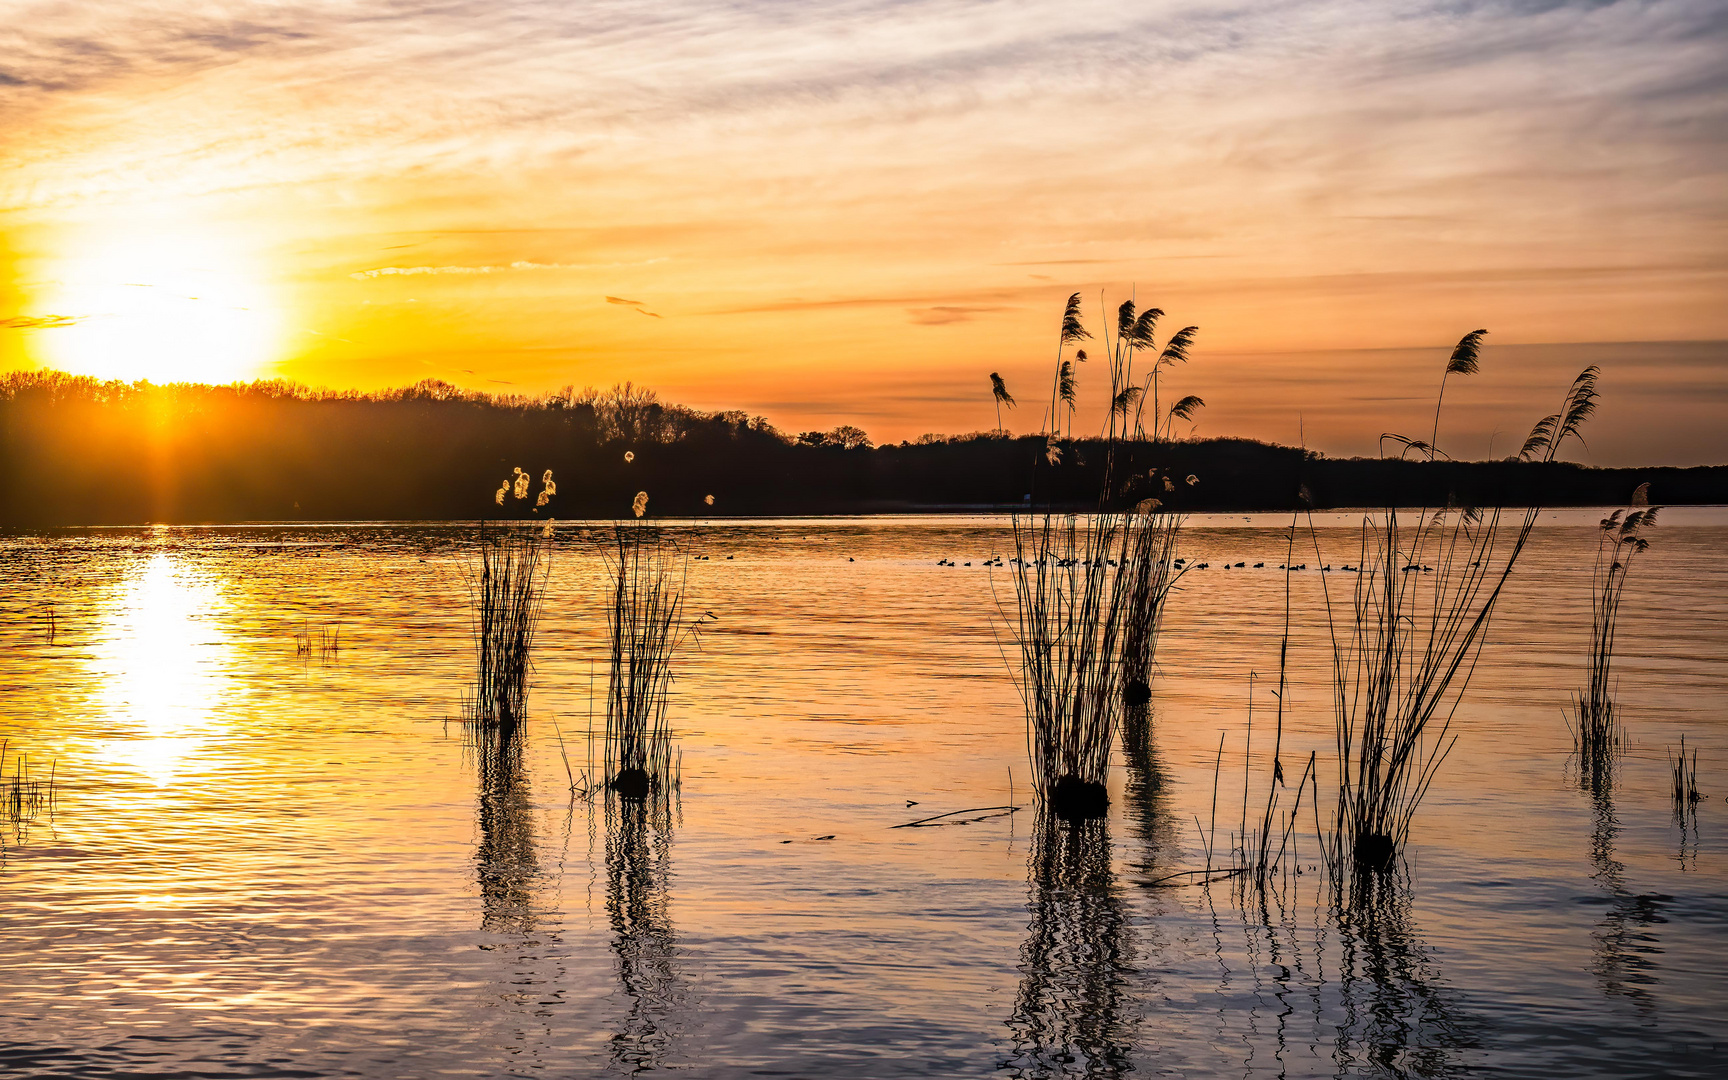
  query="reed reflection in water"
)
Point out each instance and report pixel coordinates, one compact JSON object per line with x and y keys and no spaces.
{"x":1396,"y":1015}
{"x":1074,"y":1014}
{"x":1624,"y":942}
{"x":638,"y":907}
{"x":506,"y":861}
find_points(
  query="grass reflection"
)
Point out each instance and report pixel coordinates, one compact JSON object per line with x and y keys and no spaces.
{"x":506,"y":861}
{"x":1073,"y":1014}
{"x":638,"y":895}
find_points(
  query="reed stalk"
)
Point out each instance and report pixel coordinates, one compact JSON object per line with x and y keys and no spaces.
{"x":24,"y":795}
{"x":507,"y":586}
{"x":1684,"y":774}
{"x":1421,"y":605}
{"x":1069,"y":606}
{"x":1090,"y":593}
{"x":1597,"y":735}
{"x":646,"y":625}
{"x":1149,"y":565}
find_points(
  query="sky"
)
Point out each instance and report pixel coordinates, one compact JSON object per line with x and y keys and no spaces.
{"x":852,"y":212}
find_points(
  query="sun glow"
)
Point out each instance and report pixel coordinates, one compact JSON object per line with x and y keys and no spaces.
{"x":160,"y":661}
{"x":169,"y":305}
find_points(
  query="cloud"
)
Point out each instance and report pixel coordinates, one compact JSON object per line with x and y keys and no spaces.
{"x":40,"y":322}
{"x":621,"y":300}
{"x":943,"y":314}
{"x":415,"y":271}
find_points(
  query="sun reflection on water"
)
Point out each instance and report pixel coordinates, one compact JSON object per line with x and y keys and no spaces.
{"x":160,"y":667}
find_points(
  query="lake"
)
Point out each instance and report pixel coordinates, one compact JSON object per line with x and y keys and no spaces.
{"x":272,"y":857}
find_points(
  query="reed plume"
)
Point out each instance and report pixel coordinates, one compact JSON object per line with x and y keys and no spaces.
{"x":999,"y":391}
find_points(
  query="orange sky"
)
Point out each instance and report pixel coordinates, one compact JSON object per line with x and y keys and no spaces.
{"x":853,"y":212}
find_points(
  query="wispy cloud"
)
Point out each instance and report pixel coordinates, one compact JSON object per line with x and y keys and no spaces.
{"x":1292,"y":174}
{"x":40,"y":322}
{"x":944,"y":314}
{"x":415,"y":271}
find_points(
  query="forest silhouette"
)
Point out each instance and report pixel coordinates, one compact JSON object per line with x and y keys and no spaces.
{"x":79,"y":451}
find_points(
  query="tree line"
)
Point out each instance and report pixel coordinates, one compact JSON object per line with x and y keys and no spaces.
{"x":79,"y":451}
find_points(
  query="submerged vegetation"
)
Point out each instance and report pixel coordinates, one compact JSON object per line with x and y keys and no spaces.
{"x":24,"y":795}
{"x":1684,"y":773}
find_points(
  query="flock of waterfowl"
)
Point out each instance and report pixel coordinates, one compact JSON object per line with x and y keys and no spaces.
{"x":1180,"y":564}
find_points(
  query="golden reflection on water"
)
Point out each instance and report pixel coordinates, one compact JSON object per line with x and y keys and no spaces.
{"x":159,"y":668}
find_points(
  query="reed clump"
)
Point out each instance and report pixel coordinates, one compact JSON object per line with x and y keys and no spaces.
{"x":1149,"y":564}
{"x":1597,"y":735}
{"x":1069,"y":608}
{"x":1089,"y":593}
{"x":646,"y":626}
{"x":327,"y":642}
{"x":24,"y":795}
{"x":507,"y":587}
{"x":1683,"y":771}
{"x":1420,"y":609}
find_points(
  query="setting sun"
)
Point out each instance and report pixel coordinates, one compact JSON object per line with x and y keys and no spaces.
{"x":169,"y":305}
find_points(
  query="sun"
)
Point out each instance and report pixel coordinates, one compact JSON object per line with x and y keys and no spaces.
{"x":168,"y":305}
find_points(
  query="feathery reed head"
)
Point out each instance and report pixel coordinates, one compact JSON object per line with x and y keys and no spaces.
{"x":1000,"y":390}
{"x":1140,"y":334}
{"x":1464,"y":357}
{"x":1071,"y":329}
{"x":1553,"y":429}
{"x":1176,"y":349}
{"x":639,"y":505}
{"x":1187,"y":407}
{"x":1065,"y":383}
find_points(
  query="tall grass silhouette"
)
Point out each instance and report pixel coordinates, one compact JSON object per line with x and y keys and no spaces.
{"x":1683,"y":772}
{"x":24,"y":795}
{"x":507,"y":585}
{"x":646,"y":625}
{"x":1069,"y":608}
{"x":1149,"y":567}
{"x":1597,"y":735}
{"x":1089,"y":591}
{"x":506,"y":590}
{"x":1419,"y":611}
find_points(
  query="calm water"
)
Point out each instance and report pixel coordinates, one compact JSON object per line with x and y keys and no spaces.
{"x":271,"y":864}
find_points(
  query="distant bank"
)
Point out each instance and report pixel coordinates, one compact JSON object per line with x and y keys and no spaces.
{"x":75,"y":451}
